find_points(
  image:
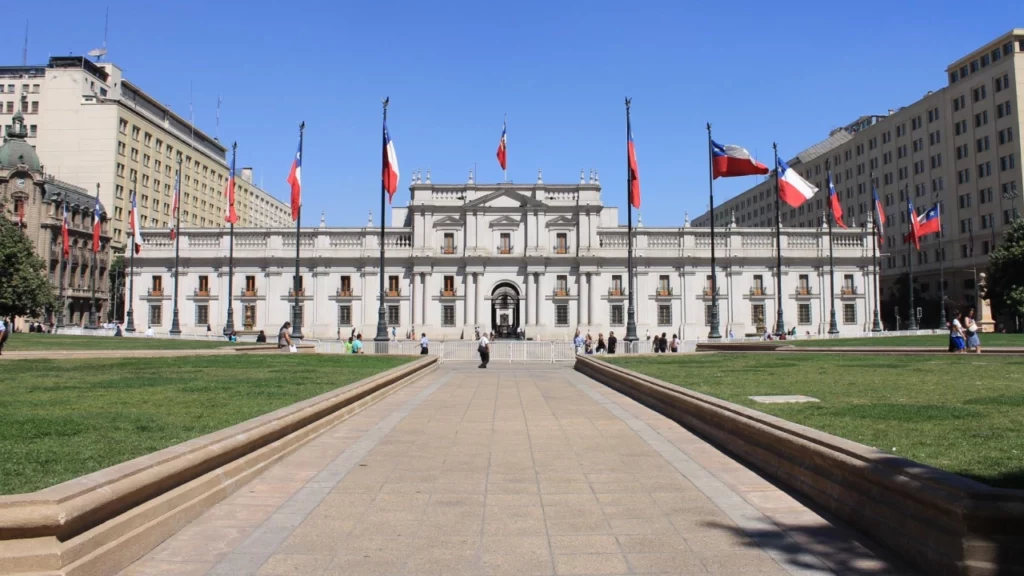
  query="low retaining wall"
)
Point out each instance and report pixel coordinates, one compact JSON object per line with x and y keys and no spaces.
{"x":940,"y":522}
{"x":104,"y":521}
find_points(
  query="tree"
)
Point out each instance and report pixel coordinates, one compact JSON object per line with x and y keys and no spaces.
{"x":24,"y":288}
{"x":1006,"y":272}
{"x":115,"y":280}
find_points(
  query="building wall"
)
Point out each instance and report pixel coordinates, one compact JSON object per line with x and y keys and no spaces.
{"x":559,"y":290}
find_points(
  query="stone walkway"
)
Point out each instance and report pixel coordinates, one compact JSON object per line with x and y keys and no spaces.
{"x":516,"y":470}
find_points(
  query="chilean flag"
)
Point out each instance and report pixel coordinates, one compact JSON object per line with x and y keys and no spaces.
{"x":295,"y":179}
{"x":634,"y":173}
{"x":503,"y":148}
{"x":232,"y":216}
{"x":96,"y":227}
{"x":133,"y":225}
{"x":64,"y":233}
{"x":389,"y":173}
{"x":793,"y":189}
{"x":880,"y":215}
{"x":833,"y":199}
{"x":929,"y":222}
{"x":21,"y":213}
{"x":915,"y":231}
{"x":732,"y":160}
{"x":174,"y":207}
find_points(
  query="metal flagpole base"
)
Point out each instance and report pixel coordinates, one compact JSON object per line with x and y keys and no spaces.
{"x":129,"y":325}
{"x":297,"y":322}
{"x":92,"y":317}
{"x":715,"y":333}
{"x":229,"y":327}
{"x":382,"y":327}
{"x":833,"y":328}
{"x":780,"y":324}
{"x":876,"y":323}
{"x":942,"y":316}
{"x":175,"y":326}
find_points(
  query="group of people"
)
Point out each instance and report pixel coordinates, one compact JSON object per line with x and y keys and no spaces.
{"x":963,"y":333}
{"x":587,"y":345}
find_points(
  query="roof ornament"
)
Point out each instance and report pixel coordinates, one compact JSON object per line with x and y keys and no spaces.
{"x":581,"y":177}
{"x":686,"y":219}
{"x":639,"y":220}
{"x":732,"y":219}
{"x":470,"y":175}
{"x":428,"y":175}
{"x":323,"y":219}
{"x":540,"y":176}
{"x":597,"y":177}
{"x":369,"y":220}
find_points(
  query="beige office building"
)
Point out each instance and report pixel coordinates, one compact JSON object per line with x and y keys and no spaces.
{"x":92,"y":126}
{"x":959,"y":145}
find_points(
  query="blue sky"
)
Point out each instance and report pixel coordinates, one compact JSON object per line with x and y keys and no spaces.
{"x":759,"y":71}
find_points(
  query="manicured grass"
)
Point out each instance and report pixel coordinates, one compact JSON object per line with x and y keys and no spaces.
{"x":60,"y":419}
{"x":935,"y":340}
{"x":961,"y":413}
{"x":26,"y":342}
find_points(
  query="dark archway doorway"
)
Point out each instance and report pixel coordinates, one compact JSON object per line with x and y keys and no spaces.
{"x":505,"y":310}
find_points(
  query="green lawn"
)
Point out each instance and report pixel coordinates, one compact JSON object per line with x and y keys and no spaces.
{"x":25,"y":342}
{"x":60,"y":419}
{"x":962,"y":413}
{"x":936,"y":340}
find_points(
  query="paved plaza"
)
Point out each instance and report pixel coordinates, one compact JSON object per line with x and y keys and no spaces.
{"x":516,"y":470}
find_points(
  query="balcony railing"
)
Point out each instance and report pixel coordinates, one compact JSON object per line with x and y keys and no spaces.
{"x":758,"y":292}
{"x":804,"y":291}
{"x":616,"y":292}
{"x":248,"y":293}
{"x":707,"y":292}
{"x":663,"y":292}
{"x":155,"y":292}
{"x":561,"y":249}
{"x":300,"y":292}
{"x":448,"y":250}
{"x":394,"y":293}
{"x":849,"y":291}
{"x":201,"y":293}
{"x":448,"y":293}
{"x":560,"y":292}
{"x":344,"y":292}
{"x":506,"y":250}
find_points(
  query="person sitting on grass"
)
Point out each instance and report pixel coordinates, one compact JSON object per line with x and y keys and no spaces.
{"x":284,"y":339}
{"x":261,"y":338}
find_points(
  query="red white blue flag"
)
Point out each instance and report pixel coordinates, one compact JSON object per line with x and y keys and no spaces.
{"x":879,"y":215}
{"x":295,"y":180}
{"x":96,"y":221}
{"x":793,"y":189}
{"x":389,"y":173}
{"x":503,"y":148}
{"x":174,"y":207}
{"x":65,"y":237}
{"x":730,"y":160}
{"x":232,"y":216}
{"x":833,"y":200}
{"x":634,"y":170}
{"x":133,"y":224}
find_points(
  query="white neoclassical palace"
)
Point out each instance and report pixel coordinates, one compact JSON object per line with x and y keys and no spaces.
{"x":548,"y":258}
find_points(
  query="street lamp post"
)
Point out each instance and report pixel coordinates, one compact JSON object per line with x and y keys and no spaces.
{"x":92,"y":272}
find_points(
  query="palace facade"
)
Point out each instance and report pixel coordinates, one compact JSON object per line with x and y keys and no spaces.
{"x":547,"y":258}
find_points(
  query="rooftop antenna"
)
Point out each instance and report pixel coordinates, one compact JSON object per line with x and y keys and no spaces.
{"x":99,"y":53}
{"x":24,"y":51}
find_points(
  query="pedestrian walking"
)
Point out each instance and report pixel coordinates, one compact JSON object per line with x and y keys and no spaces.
{"x":675,"y":344}
{"x":424,"y":344}
{"x":484,"y":348}
{"x":612,"y":342}
{"x":971,"y":332}
{"x":284,"y":339}
{"x":956,"y":333}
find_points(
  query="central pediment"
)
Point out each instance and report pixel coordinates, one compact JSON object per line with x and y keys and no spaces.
{"x":506,"y":198}
{"x":505,"y":222}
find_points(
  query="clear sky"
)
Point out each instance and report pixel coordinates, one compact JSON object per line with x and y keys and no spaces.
{"x":759,"y":71}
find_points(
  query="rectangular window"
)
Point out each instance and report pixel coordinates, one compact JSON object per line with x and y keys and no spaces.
{"x":204,"y":285}
{"x":394,"y":315}
{"x":664,"y":315}
{"x":664,"y":288}
{"x":561,"y":285}
{"x":346,"y":286}
{"x":803,"y":313}
{"x":248,"y":316}
{"x":505,"y":243}
{"x":562,"y":315}
{"x":158,"y":286}
{"x":344,"y":315}
{"x":156,"y":312}
{"x":561,"y":243}
{"x":849,"y":313}
{"x":758,"y":289}
{"x":804,"y":285}
{"x":449,"y":243}
{"x":757,"y":314}
{"x":122,"y":126}
{"x":250,"y":285}
{"x":202,"y":314}
{"x":448,"y":315}
{"x":449,"y":286}
{"x":616,"y":289}
{"x":393,"y":289}
{"x":616,"y":315}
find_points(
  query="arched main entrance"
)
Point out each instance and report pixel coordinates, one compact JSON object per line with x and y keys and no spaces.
{"x":505,"y":310}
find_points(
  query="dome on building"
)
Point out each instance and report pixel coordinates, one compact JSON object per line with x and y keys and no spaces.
{"x":15,"y":151}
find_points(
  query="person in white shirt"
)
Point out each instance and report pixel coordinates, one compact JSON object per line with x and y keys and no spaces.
{"x":424,"y":343}
{"x":484,"y":348}
{"x":675,"y":343}
{"x":3,"y":334}
{"x":150,"y":333}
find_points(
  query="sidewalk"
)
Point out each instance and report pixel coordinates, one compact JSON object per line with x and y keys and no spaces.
{"x":514,"y":470}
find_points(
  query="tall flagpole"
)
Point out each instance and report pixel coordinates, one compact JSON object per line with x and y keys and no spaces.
{"x":780,"y":322}
{"x":876,"y":324}
{"x":129,"y":325}
{"x":65,"y":262}
{"x":833,"y":328}
{"x":715,"y":332}
{"x":942,"y":270}
{"x":296,"y":310}
{"x":630,"y":310}
{"x":92,"y":272}
{"x":382,"y":327}
{"x":504,"y":132}
{"x":175,"y":326}
{"x":229,"y":325}
{"x":912,"y":325}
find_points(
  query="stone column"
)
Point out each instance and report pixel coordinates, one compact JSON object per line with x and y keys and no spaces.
{"x":417,"y":295}
{"x":530,"y":295}
{"x":470,"y":298}
{"x":482,"y":313}
{"x":590,"y":300}
{"x":581,"y":298}
{"x":425,"y":298}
